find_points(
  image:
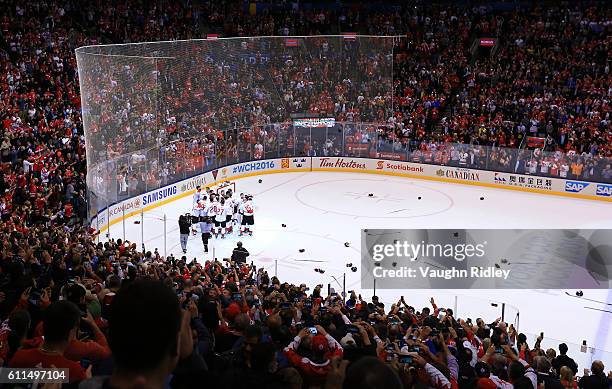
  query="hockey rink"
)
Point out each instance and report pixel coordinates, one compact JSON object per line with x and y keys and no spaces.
{"x":324,"y":210}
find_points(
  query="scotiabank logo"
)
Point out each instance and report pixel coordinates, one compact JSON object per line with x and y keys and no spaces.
{"x":341,"y":163}
{"x":394,"y":166}
{"x":604,"y":190}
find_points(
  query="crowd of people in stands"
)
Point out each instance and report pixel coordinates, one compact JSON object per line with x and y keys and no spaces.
{"x":118,"y":318}
{"x":66,"y":301}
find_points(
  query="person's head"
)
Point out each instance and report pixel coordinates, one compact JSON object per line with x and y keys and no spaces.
{"x":563,"y":348}
{"x":19,"y":323}
{"x":566,"y":374}
{"x":522,"y":383}
{"x":516,"y":370}
{"x":371,"y":373}
{"x":61,"y":322}
{"x":482,"y":370}
{"x":597,"y":367}
{"x":76,"y":294}
{"x":252,"y":337}
{"x":239,"y":244}
{"x":263,"y":357}
{"x":542,"y":364}
{"x":499,"y":365}
{"x":319,"y":347}
{"x":113,"y":282}
{"x":241,"y":322}
{"x":551,"y":353}
{"x":144,"y":325}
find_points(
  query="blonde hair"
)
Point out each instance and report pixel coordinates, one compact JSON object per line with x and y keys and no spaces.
{"x":567,"y":375}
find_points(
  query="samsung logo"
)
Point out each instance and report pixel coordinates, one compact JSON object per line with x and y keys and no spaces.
{"x":159,"y":195}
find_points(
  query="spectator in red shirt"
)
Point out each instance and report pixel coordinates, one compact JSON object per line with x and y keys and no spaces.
{"x":61,"y":322}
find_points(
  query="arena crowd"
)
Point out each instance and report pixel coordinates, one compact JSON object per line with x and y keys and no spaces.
{"x":117,"y":317}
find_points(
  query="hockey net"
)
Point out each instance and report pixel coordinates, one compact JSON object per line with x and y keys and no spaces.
{"x":224,"y":187}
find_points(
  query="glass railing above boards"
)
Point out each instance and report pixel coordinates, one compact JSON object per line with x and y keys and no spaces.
{"x":139,"y":171}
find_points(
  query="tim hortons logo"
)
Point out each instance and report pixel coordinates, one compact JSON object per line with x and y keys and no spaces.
{"x":341,"y":163}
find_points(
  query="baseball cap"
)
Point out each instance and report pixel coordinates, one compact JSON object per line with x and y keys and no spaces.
{"x":482,"y":370}
{"x":319,"y":344}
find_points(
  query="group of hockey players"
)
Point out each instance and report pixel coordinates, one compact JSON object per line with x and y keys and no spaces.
{"x":217,"y":214}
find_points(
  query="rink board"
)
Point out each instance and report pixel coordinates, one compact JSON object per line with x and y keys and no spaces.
{"x":451,"y":174}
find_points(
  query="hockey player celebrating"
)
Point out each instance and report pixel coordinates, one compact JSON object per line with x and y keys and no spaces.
{"x":238,"y":201}
{"x":197,"y":196}
{"x":247,"y":211}
{"x":205,"y":229}
{"x":220,"y":219}
{"x":213,"y":209}
{"x":229,"y":211}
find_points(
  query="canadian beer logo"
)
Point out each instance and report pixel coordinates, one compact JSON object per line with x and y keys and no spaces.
{"x":458,"y":174}
{"x":200,"y":181}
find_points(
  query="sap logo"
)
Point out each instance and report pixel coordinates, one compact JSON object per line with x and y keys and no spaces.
{"x":575,"y":186}
{"x":604,"y":190}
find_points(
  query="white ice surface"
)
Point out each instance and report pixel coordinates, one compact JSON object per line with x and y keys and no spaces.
{"x":322,"y":211}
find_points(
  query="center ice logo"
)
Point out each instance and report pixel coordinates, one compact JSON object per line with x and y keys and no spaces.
{"x":575,"y":186}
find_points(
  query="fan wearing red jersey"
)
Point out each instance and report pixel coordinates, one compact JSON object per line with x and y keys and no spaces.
{"x":60,"y":324}
{"x":323,"y":348}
